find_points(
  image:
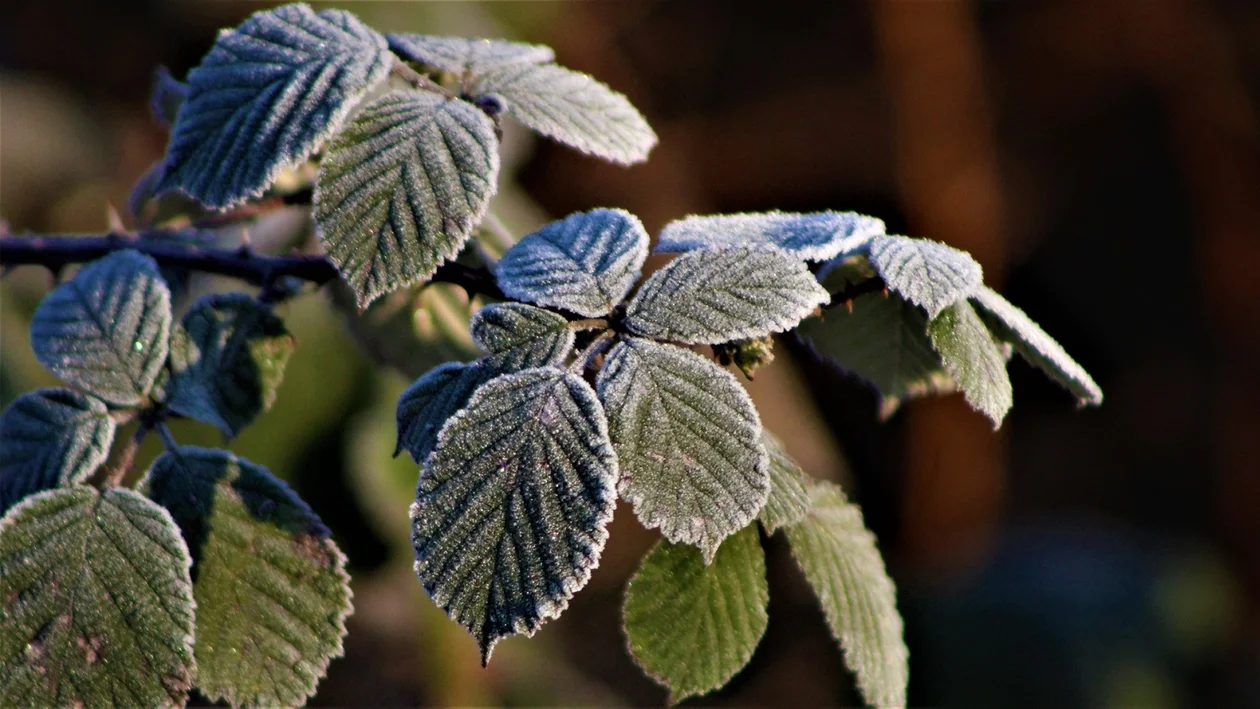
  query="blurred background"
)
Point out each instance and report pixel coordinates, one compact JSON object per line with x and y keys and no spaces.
{"x":1100,"y":159}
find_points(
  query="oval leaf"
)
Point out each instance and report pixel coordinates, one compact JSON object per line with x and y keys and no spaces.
{"x":467,"y":57}
{"x":271,"y":587}
{"x":267,"y":96}
{"x":928,"y":273}
{"x":106,"y":329}
{"x":227,"y":359}
{"x":432,"y":399}
{"x":810,"y":237}
{"x":51,"y":438}
{"x":512,"y":509}
{"x":788,"y":502}
{"x":96,"y":604}
{"x":842,"y":564}
{"x":521,"y":336}
{"x":403,"y":187}
{"x":974,"y":360}
{"x":689,"y":442}
{"x":585,"y":263}
{"x":1009,"y":324}
{"x":678,"y":610}
{"x":709,"y":297}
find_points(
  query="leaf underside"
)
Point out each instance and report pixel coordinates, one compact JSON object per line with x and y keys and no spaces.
{"x":926,"y":273}
{"x":974,"y":359}
{"x":51,"y":438}
{"x":521,"y":336}
{"x":466,"y":57}
{"x":818,"y":236}
{"x":788,"y":502}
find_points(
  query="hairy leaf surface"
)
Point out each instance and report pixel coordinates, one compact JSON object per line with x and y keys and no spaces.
{"x":521,"y":336}
{"x":466,"y":57}
{"x":403,"y":187}
{"x":51,"y":438}
{"x":927,"y":273}
{"x":266,"y":97}
{"x":432,"y":399}
{"x":106,"y":329}
{"x":96,"y":605}
{"x":227,"y":359}
{"x":585,"y":263}
{"x":788,"y":502}
{"x":818,"y":236}
{"x":512,"y":509}
{"x":1009,"y":324}
{"x":843,"y":565}
{"x":691,"y":626}
{"x":689,"y":441}
{"x":270,"y":584}
{"x":974,"y":360}
{"x":707,"y":297}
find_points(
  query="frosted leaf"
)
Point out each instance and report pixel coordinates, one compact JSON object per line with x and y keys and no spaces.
{"x":927,"y":273}
{"x":51,"y":438}
{"x":166,"y":97}
{"x":512,"y":509}
{"x":432,"y":399}
{"x":689,"y":441}
{"x":680,"y":610}
{"x":466,"y":57}
{"x":403,"y":187}
{"x":1009,"y":324}
{"x":709,"y":297}
{"x":106,"y":329}
{"x":788,"y":501}
{"x":266,"y":97}
{"x":521,"y":336}
{"x":96,"y":604}
{"x":842,"y":564}
{"x":974,"y":360}
{"x":585,"y":263}
{"x":818,"y":236}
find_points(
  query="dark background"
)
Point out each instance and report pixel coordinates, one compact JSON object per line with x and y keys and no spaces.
{"x":1098,"y":157}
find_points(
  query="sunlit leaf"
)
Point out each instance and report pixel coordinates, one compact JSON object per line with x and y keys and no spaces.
{"x":470,"y":57}
{"x":520,"y":336}
{"x":927,"y":273}
{"x":788,"y":502}
{"x":51,"y":438}
{"x":974,"y":360}
{"x":818,"y":236}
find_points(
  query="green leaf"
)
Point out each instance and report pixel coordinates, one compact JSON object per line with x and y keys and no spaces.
{"x":1009,"y":324}
{"x":585,"y":263}
{"x":463,"y":56}
{"x":691,"y":626}
{"x":521,"y":336}
{"x":974,"y":360}
{"x":708,"y":297}
{"x":432,"y":399}
{"x":51,"y":438}
{"x":96,"y":604}
{"x":512,"y":509}
{"x":403,"y":187}
{"x":788,"y":502}
{"x":842,"y":564}
{"x":689,"y":442}
{"x":927,"y":273}
{"x":271,"y":587}
{"x":884,"y":341}
{"x":106,"y":329}
{"x":227,"y":359}
{"x":818,"y":236}
{"x":266,"y":97}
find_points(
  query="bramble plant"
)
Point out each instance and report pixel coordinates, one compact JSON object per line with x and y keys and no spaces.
{"x":210,"y":573}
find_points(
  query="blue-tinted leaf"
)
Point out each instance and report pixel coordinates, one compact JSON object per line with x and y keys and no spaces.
{"x":227,"y":359}
{"x":51,"y":438}
{"x":810,"y":237}
{"x":689,"y":442}
{"x":927,"y":273}
{"x":708,"y":297}
{"x":432,"y":399}
{"x":403,"y":187}
{"x":974,"y":360}
{"x":469,"y":57}
{"x":106,"y":329}
{"x":585,"y":263}
{"x":512,"y":509}
{"x":271,"y":587}
{"x":96,"y":605}
{"x":521,"y":336}
{"x":788,"y":502}
{"x":168,"y":95}
{"x":267,"y":96}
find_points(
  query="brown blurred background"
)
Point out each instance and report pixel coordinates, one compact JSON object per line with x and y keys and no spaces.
{"x":1099,"y":157}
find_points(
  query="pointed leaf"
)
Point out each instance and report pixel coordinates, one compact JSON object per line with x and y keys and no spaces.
{"x":708,"y":297}
{"x":467,"y":57}
{"x":51,"y":438}
{"x":927,"y":273}
{"x":842,"y":564}
{"x":227,"y":359}
{"x":432,"y":399}
{"x":691,"y":626}
{"x":96,"y":604}
{"x":271,"y":587}
{"x":689,"y":442}
{"x":267,"y":96}
{"x":788,"y":502}
{"x":106,"y":329}
{"x":521,"y":336}
{"x":974,"y":360}
{"x":810,"y":237}
{"x":1009,"y":324}
{"x":403,"y":187}
{"x":512,"y":509}
{"x":585,"y":263}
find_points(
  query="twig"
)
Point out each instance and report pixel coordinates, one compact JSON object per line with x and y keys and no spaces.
{"x":128,"y":456}
{"x":401,"y":70}
{"x":583,"y":361}
{"x":846,"y":295}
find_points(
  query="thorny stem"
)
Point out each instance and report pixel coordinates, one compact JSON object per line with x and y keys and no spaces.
{"x":590,"y":324}
{"x":403,"y":71}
